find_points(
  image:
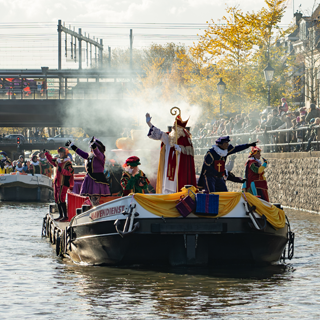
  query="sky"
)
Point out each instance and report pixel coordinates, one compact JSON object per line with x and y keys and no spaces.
{"x":182,"y":11}
{"x":28,"y":34}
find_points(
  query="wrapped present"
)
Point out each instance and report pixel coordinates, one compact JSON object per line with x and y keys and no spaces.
{"x":186,"y":205}
{"x":207,"y":204}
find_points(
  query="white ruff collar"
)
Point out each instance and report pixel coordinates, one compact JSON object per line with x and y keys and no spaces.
{"x":219,"y":151}
{"x":62,"y":160}
{"x":35,"y":163}
{"x":258,"y":160}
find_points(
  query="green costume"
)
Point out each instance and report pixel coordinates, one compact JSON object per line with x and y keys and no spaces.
{"x":131,"y":184}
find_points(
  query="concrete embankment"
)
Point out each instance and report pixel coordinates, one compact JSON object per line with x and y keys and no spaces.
{"x":293,"y":178}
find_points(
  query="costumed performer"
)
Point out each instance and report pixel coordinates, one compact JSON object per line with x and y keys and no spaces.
{"x":214,"y":174}
{"x":95,"y":183}
{"x":133,"y":179}
{"x":63,"y":180}
{"x":3,"y":159}
{"x":8,"y":166}
{"x":34,"y":166}
{"x":256,"y":183}
{"x":46,"y":168}
{"x":21,"y":167}
{"x":175,"y":146}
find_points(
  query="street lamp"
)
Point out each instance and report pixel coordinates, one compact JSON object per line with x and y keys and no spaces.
{"x":221,"y":87}
{"x":268,"y":74}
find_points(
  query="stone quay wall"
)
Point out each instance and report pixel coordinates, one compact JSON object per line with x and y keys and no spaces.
{"x":293,"y":178}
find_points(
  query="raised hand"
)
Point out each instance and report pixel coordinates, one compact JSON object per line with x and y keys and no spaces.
{"x":253,"y":144}
{"x":148,"y":117}
{"x":68,"y":143}
{"x":92,"y":140}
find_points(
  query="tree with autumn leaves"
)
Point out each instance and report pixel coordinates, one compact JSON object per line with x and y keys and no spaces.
{"x":237,"y":49}
{"x":240,"y":48}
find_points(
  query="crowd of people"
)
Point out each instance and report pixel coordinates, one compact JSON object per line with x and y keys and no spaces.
{"x":37,"y":164}
{"x":256,"y":126}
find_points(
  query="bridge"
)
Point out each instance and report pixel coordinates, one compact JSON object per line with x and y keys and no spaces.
{"x":85,"y":113}
{"x":63,"y":104}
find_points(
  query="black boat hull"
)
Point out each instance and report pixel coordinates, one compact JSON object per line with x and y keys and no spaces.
{"x":178,"y":242}
{"x":26,"y":194}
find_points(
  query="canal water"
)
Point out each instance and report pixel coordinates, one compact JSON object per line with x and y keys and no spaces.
{"x":35,"y":284}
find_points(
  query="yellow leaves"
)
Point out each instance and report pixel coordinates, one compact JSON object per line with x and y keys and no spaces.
{"x":235,"y":50}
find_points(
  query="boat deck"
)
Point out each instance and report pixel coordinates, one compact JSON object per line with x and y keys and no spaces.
{"x":60,"y":225}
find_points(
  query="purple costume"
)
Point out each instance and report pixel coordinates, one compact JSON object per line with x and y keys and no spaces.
{"x":95,"y":182}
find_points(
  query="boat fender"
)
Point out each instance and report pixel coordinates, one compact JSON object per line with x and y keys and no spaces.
{"x":47,"y":226}
{"x":68,"y":238}
{"x":290,"y":241}
{"x":63,"y":243}
{"x":44,"y":227}
{"x":50,"y":231}
{"x":59,"y":246}
{"x":54,"y":235}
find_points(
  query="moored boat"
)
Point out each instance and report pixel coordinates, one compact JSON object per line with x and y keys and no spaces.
{"x":145,"y":229}
{"x":25,"y":187}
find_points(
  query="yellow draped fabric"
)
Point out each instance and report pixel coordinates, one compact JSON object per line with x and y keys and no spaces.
{"x":275,"y":216}
{"x":161,"y":169}
{"x":165,"y":205}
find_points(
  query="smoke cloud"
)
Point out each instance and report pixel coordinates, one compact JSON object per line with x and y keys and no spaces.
{"x":111,"y":119}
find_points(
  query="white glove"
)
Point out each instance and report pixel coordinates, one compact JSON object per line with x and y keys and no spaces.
{"x":148,"y":118}
{"x":177,"y":148}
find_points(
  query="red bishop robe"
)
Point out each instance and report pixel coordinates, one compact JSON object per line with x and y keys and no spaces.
{"x":167,"y":170}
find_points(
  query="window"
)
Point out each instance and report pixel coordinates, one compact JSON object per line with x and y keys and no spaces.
{"x":303,"y":30}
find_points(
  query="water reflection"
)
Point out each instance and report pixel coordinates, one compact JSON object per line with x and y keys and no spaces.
{"x":37,"y":284}
{"x":187,"y":292}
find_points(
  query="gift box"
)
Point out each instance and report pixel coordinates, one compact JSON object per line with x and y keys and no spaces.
{"x":186,"y":205}
{"x":207,"y":204}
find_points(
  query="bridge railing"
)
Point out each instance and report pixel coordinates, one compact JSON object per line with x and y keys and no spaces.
{"x":17,"y":94}
{"x":278,"y":140}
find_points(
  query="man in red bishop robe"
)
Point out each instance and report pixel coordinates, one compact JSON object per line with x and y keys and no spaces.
{"x":176,"y":166}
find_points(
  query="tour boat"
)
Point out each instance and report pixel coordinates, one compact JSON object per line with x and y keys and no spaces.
{"x":147,"y":229}
{"x":25,"y":187}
